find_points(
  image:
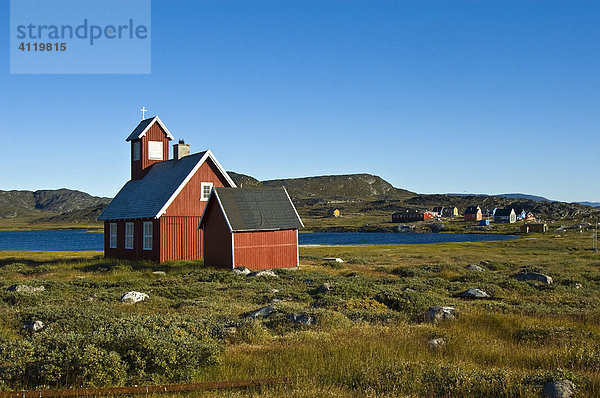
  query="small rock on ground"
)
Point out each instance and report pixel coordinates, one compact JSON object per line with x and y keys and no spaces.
{"x":261,"y":312}
{"x":324,"y":288}
{"x":439,"y":314}
{"x":559,"y":389}
{"x":266,"y":273}
{"x":241,"y":271}
{"x":26,"y":288}
{"x":134,"y":297}
{"x":437,"y":343}
{"x":474,"y":294}
{"x":34,"y":326}
{"x":303,"y":319}
{"x":159,"y":273}
{"x":474,"y":267}
{"x":533,"y":276}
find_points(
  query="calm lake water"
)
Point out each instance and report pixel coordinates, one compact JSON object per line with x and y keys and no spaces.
{"x":72,"y":240}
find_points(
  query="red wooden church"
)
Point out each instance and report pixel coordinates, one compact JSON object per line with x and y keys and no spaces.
{"x":155,"y":215}
{"x":188,"y":208}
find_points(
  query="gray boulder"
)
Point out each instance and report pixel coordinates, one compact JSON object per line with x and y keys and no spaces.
{"x":533,"y":276}
{"x":26,"y":289}
{"x":264,"y":273}
{"x":474,"y":294}
{"x":474,"y":267}
{"x":438,"y":314}
{"x":34,"y":326}
{"x":437,"y":343}
{"x":324,"y":288}
{"x":134,"y":297}
{"x":159,"y":273}
{"x":302,"y":319}
{"x":241,"y":271}
{"x":261,"y":312}
{"x":559,"y":389}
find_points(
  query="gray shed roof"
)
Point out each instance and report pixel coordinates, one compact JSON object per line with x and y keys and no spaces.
{"x":257,"y":209}
{"x":503,"y":212}
{"x":143,"y":127}
{"x":145,"y":198}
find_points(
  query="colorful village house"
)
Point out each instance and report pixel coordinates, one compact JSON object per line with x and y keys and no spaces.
{"x":473,"y":213}
{"x":255,"y":228}
{"x":336,"y":213}
{"x":412,"y":215}
{"x":450,"y":212}
{"x":155,"y":215}
{"x":505,"y":216}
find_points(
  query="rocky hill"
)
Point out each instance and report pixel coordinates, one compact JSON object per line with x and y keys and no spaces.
{"x":50,"y":203}
{"x":332,"y":187}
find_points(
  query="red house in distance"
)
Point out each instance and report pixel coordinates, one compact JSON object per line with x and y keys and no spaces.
{"x":155,"y":215}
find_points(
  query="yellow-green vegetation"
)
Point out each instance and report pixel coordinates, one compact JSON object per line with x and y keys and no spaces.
{"x":364,"y":336}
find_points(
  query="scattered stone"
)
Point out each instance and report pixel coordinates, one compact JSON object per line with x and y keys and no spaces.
{"x":159,"y":273}
{"x":533,"y":276}
{"x":309,"y":282}
{"x":92,"y":297}
{"x":559,"y":389}
{"x":333,"y":259}
{"x":261,"y":312}
{"x":408,"y":289}
{"x":26,"y":289}
{"x":134,"y":297}
{"x":474,"y":267}
{"x":241,"y":271}
{"x":437,"y":343}
{"x":228,"y":332}
{"x":438,"y":314}
{"x":324,"y":288}
{"x":578,"y":285}
{"x":276,"y":300}
{"x":484,"y":263}
{"x":273,"y":291}
{"x":474,"y":294}
{"x":303,"y":319}
{"x":34,"y":326}
{"x":265,"y":273}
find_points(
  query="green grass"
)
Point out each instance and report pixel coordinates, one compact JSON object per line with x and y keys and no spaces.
{"x":368,"y":336}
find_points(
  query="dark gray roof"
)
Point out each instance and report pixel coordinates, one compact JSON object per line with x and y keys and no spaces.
{"x":135,"y":134}
{"x":503,"y":212}
{"x":256,"y":209}
{"x":146,"y":197}
{"x":472,"y":210}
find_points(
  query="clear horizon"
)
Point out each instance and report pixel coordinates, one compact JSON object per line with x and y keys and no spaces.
{"x":432,"y":96}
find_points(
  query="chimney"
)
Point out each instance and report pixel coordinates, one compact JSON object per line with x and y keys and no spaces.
{"x":181,"y":149}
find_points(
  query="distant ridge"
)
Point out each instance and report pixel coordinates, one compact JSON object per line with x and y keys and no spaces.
{"x":507,"y":195}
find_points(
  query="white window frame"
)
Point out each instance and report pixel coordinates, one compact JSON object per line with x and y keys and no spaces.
{"x":112,"y":235}
{"x":129,"y":228}
{"x":148,"y":229}
{"x":137,"y":150}
{"x":203,"y":197}
{"x":153,"y":150}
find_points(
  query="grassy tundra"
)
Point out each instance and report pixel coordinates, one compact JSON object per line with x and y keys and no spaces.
{"x":368,"y":338}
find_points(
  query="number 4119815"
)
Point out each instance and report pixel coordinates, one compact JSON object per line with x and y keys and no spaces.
{"x":43,"y":47}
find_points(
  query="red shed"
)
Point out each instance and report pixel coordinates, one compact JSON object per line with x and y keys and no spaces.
{"x":155,"y":215}
{"x":252,"y":227}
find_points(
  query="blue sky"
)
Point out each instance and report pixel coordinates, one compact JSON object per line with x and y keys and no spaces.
{"x":445,"y":96}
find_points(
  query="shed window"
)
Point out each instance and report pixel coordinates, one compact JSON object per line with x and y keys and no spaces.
{"x":147,"y":235}
{"x":155,"y":150}
{"x":113,"y":235}
{"x":136,"y":150}
{"x":206,"y":189}
{"x":129,"y":235}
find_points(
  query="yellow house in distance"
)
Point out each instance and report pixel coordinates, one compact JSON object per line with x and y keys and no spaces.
{"x":336,"y":213}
